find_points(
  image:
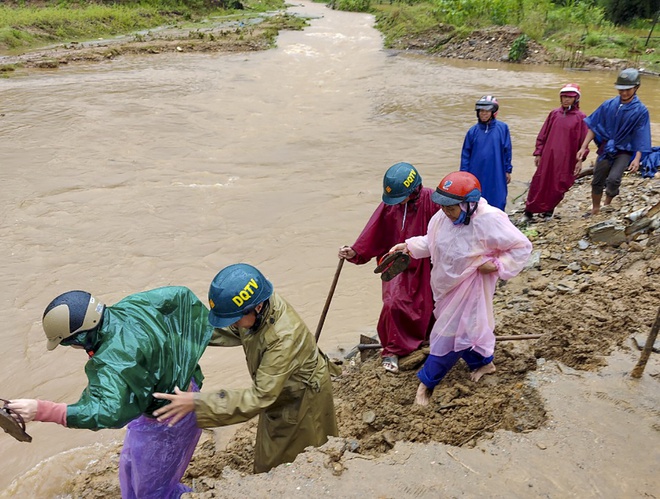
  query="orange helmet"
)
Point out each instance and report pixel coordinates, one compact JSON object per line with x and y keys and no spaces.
{"x":457,"y":187}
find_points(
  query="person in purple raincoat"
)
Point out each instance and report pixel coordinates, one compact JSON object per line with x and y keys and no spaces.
{"x":556,"y":146}
{"x":621,"y":128}
{"x":407,"y":314}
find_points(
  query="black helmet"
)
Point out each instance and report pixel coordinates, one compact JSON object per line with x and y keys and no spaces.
{"x":628,"y":78}
{"x":70,"y":313}
{"x":487,"y":103}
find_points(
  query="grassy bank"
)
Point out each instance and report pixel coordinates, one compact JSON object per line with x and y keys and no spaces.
{"x":563,"y":28}
{"x":26,"y":24}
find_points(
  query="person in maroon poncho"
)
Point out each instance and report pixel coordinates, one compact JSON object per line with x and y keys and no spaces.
{"x":407,"y":314}
{"x":556,"y":147}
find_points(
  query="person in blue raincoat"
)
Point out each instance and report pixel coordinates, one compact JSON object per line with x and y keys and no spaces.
{"x":622,"y":131}
{"x":486,"y":152}
{"x":145,"y":343}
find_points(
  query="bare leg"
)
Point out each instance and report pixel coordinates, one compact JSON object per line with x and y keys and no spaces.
{"x":607,"y":201}
{"x":478,"y":373}
{"x":423,"y":396}
{"x":595,"y":201}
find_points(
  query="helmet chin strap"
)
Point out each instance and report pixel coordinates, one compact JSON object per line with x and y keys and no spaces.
{"x":470,"y":212}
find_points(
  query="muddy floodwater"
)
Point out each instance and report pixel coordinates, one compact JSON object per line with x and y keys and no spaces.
{"x":150,"y":171}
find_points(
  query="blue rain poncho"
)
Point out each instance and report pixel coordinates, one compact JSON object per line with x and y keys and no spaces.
{"x":487,"y":155}
{"x":620,"y":127}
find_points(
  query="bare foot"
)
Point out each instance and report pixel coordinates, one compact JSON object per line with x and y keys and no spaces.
{"x":477,"y":374}
{"x":423,"y":396}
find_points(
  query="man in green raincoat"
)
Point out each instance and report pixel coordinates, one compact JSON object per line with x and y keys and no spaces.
{"x":147,"y":342}
{"x":291,"y":390}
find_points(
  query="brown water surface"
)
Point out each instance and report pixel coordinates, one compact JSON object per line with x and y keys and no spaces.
{"x":159,"y":170}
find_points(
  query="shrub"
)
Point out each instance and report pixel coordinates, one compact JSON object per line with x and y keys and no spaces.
{"x":518,"y":50}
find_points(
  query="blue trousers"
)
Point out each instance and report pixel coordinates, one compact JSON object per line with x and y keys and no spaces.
{"x":436,"y":367}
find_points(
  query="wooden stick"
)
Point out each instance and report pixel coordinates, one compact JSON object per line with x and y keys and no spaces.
{"x":375,"y":346}
{"x":328,"y":299}
{"x":518,"y":337}
{"x":648,"y":348}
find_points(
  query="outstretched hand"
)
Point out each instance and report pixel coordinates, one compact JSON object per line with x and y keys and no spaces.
{"x":181,"y":404}
{"x":26,"y":408}
{"x":399,"y":247}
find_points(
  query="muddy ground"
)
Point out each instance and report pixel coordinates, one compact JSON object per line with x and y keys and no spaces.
{"x":586,"y":299}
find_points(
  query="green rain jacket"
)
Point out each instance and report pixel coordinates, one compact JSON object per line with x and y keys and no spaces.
{"x":148,"y":342}
{"x":291,"y":390}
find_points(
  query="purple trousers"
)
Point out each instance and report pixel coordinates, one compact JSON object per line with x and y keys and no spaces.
{"x":155,"y":457}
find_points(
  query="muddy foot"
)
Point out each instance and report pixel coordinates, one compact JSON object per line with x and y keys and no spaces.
{"x":487,"y":369}
{"x":423,"y":396}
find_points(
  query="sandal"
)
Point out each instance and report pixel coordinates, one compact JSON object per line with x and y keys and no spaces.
{"x":391,"y":364}
{"x":15,"y":428}
{"x":392,"y":264}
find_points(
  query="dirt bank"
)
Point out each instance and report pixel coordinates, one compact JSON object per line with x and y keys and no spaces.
{"x":232,"y":36}
{"x":587,"y":300}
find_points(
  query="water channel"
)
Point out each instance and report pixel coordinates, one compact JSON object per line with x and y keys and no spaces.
{"x":150,"y":171}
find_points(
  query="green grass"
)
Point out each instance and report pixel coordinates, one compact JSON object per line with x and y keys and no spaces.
{"x":25,"y":25}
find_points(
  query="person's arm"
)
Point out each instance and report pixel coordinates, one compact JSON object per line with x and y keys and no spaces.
{"x":507,"y":153}
{"x":466,"y":151}
{"x":509,"y":248}
{"x":584,"y":148}
{"x":541,"y":139}
{"x":634,"y":164}
{"x":109,"y":401}
{"x":375,"y":238}
{"x":226,"y":407}
{"x":39,"y":410}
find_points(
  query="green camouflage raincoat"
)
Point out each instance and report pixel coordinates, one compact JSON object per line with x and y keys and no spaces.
{"x":148,"y":342}
{"x":291,"y":390}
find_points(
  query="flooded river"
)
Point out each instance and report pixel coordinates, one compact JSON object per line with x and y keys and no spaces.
{"x":151,"y":171}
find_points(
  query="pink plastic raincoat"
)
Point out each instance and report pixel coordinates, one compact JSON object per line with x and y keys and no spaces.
{"x":464,"y":296}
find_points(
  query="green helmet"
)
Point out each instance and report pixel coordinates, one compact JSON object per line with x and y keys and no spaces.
{"x":400,"y":181}
{"x":628,"y":78}
{"x":235,"y":291}
{"x":71,"y":313}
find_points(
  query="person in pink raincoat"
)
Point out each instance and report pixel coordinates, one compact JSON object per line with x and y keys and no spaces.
{"x":471,"y":245}
{"x":557,"y":144}
{"x":405,"y":319}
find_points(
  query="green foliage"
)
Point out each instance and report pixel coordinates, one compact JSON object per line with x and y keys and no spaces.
{"x":518,"y":50}
{"x":352,"y":5}
{"x":624,"y":11}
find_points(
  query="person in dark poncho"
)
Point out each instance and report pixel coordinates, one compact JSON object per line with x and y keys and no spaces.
{"x":407,"y":313}
{"x":556,"y":146}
